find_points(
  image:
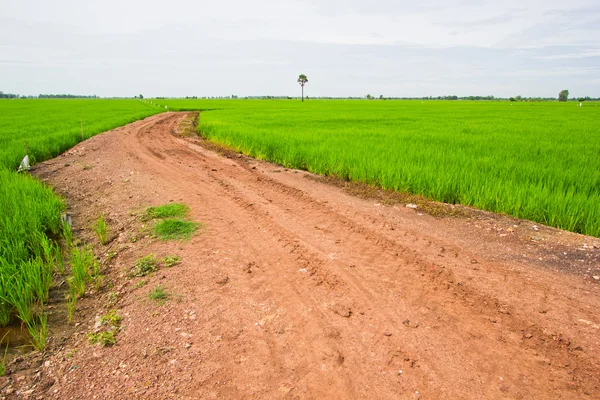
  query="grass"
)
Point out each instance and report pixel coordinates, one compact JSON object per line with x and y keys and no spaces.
{"x":171,"y":210}
{"x":174,"y":229}
{"x":537,"y":161}
{"x":159,"y":294}
{"x":101,"y":230}
{"x":30,"y":212}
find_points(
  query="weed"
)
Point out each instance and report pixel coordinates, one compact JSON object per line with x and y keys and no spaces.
{"x":101,"y":230}
{"x":144,"y":266}
{"x":87,"y":167}
{"x":159,"y":294}
{"x":175,"y":228}
{"x":171,"y":210}
{"x":111,"y":319}
{"x":170,"y":261}
{"x":141,"y":284}
{"x":105,"y":338}
{"x":112,"y":298}
{"x":110,"y":256}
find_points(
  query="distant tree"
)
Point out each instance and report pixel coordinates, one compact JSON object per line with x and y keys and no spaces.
{"x":581,"y":99}
{"x":302,"y":80}
{"x":380,"y":97}
{"x":369,"y":97}
{"x":563,"y":95}
{"x":518,"y":98}
{"x":511,"y":99}
{"x":140,"y":96}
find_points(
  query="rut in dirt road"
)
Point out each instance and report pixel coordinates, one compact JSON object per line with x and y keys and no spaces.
{"x":299,"y":290}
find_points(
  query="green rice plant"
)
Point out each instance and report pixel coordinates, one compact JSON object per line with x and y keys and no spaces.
{"x":67,"y":234}
{"x":101,"y":230}
{"x":159,"y":294}
{"x":532,"y":160}
{"x":171,"y":210}
{"x":174,"y":229}
{"x":170,"y":261}
{"x":30,"y":213}
{"x":38,"y":329}
{"x":83,"y":268}
{"x":144,"y":266}
{"x":5,"y":312}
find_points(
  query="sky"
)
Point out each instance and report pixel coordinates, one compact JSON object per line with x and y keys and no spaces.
{"x":345,"y":47}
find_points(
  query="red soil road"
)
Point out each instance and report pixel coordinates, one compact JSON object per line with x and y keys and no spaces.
{"x":296,"y":289}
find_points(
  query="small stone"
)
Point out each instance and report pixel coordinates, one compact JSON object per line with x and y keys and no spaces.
{"x":400,"y":372}
{"x":596,"y":277}
{"x":406,"y":322}
{"x":528,"y":335}
{"x":223,"y":281}
{"x":413,"y":206}
{"x":388,"y":333}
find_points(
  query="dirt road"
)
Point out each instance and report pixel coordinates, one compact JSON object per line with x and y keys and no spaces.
{"x":295,"y":289}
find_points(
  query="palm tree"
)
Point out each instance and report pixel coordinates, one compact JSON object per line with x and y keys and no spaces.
{"x":302,"y":80}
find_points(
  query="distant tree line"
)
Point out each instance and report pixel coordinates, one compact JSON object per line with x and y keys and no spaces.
{"x":8,"y":95}
{"x":66,"y":96}
{"x":46,"y":96}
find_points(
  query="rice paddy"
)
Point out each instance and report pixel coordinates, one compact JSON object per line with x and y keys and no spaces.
{"x":30,"y":212}
{"x":539,"y":161}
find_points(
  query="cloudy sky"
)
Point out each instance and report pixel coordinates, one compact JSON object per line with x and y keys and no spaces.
{"x":345,"y":47}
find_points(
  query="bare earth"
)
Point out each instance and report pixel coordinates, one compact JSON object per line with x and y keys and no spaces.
{"x":296,"y":289}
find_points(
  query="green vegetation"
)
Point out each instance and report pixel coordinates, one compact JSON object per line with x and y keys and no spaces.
{"x":170,"y":261}
{"x":537,"y":161}
{"x":3,"y":361}
{"x":30,"y":212}
{"x":111,"y":319}
{"x":171,"y":224}
{"x":110,"y":323}
{"x":101,"y":230}
{"x":144,"y":266}
{"x":159,"y":294}
{"x":171,"y":210}
{"x":174,"y":229}
{"x":105,"y":338}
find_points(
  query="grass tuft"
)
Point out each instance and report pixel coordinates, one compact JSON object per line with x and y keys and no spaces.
{"x":159,"y":294}
{"x":171,"y":210}
{"x":175,"y":229}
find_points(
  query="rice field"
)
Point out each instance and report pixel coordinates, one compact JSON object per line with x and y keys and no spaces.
{"x":538,"y":161}
{"x":30,"y":213}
